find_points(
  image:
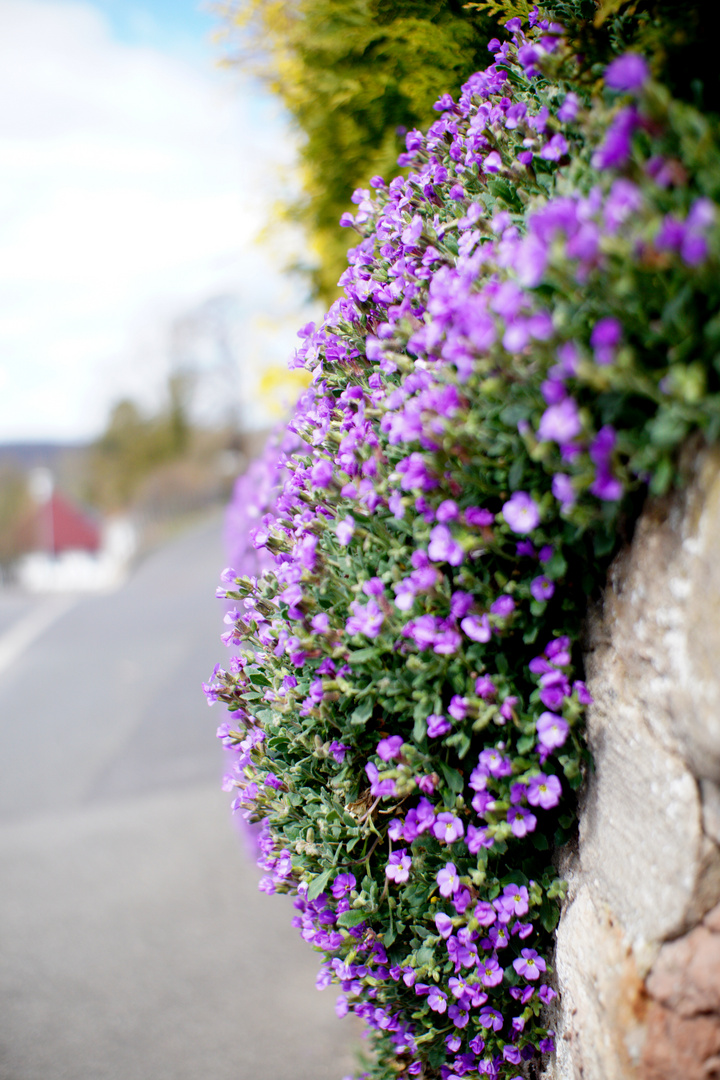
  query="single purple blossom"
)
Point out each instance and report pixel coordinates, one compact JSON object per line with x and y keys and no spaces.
{"x":490,"y":973}
{"x":345,"y":530}
{"x":521,"y":821}
{"x":529,"y":964}
{"x":437,"y":725}
{"x":562,"y":489}
{"x":560,"y":422}
{"x":552,"y":730}
{"x":398,"y":867}
{"x":458,"y":707}
{"x":542,"y":588}
{"x":485,"y":687}
{"x":448,"y":828}
{"x":443,"y":548}
{"x":343,"y":883}
{"x":477,"y":628}
{"x":521,"y":512}
{"x":448,"y":880}
{"x":443,"y":924}
{"x":627,"y":73}
{"x":544,"y":791}
{"x":390,"y":748}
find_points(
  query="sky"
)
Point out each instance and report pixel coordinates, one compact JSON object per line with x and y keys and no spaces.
{"x":135,"y":177}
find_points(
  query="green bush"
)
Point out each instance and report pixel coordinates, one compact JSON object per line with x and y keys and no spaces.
{"x":350,"y":73}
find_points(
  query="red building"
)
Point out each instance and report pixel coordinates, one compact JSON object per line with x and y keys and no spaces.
{"x":57,"y":525}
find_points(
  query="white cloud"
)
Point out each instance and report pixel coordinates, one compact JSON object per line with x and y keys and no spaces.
{"x":132,"y":185}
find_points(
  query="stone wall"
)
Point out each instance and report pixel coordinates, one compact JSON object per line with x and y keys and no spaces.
{"x":638,"y":950}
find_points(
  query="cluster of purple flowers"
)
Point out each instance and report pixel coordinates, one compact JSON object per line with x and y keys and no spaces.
{"x":392,"y":720}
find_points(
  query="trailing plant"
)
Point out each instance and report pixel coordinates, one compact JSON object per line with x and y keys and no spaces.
{"x":529,"y":331}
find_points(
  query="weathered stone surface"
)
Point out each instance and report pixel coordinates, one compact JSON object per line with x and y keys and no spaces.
{"x":680,"y":1048}
{"x":647,"y":869}
{"x":686,"y":975}
{"x":603,"y":1001}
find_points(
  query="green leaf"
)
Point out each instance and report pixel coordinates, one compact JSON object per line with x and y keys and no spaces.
{"x":419,"y":728}
{"x":348,"y":919}
{"x":549,"y":916}
{"x":363,"y":712}
{"x":453,"y":778}
{"x":317,"y":885}
{"x":361,"y":656}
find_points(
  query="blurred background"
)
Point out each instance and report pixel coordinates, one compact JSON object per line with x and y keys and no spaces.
{"x":171,"y":178}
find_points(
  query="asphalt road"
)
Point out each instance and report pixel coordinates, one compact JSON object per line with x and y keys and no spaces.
{"x":134,"y":944}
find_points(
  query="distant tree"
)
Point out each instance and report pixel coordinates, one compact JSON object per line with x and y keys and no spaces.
{"x":353,"y":76}
{"x":14,"y":504}
{"x":133,"y":445}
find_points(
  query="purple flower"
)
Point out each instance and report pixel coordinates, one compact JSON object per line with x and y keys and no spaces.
{"x":530,"y":260}
{"x":387,"y":749}
{"x":556,"y":148}
{"x":563,"y":490}
{"x":542,"y":588}
{"x":544,"y":791}
{"x":415,"y":474}
{"x":345,"y":530}
{"x":447,"y":511}
{"x":478,"y":838}
{"x":477,"y":628}
{"x":529,"y":964}
{"x":373,"y":587}
{"x":338,"y":751}
{"x":475,"y":515}
{"x":521,"y":512}
{"x":485,"y":913}
{"x":460,"y":603}
{"x":437,"y":1000}
{"x":569,"y":108}
{"x":552,"y":730}
{"x":615,"y":150}
{"x":485,"y":687}
{"x":341,"y":1006}
{"x":516,"y":897}
{"x":365,"y":619}
{"x":496,"y":763}
{"x":521,"y":821}
{"x":398,"y":867}
{"x":491,"y":974}
{"x":448,"y":828}
{"x":627,"y":73}
{"x":448,"y":880}
{"x":320,"y":623}
{"x":584,"y":695}
{"x":560,"y":423}
{"x":443,"y":548}
{"x":491,"y":1018}
{"x":493,"y":162}
{"x":458,"y":707}
{"x":443,"y":924}
{"x":378,"y":787}
{"x":321,"y":474}
{"x":437,"y":725}
{"x":343,"y":883}
{"x":604,"y":339}
{"x":502,"y":607}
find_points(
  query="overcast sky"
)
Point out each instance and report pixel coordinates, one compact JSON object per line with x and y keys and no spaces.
{"x":134,"y":177}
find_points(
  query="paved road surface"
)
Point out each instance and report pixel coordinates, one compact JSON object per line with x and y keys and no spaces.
{"x":134,"y":944}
